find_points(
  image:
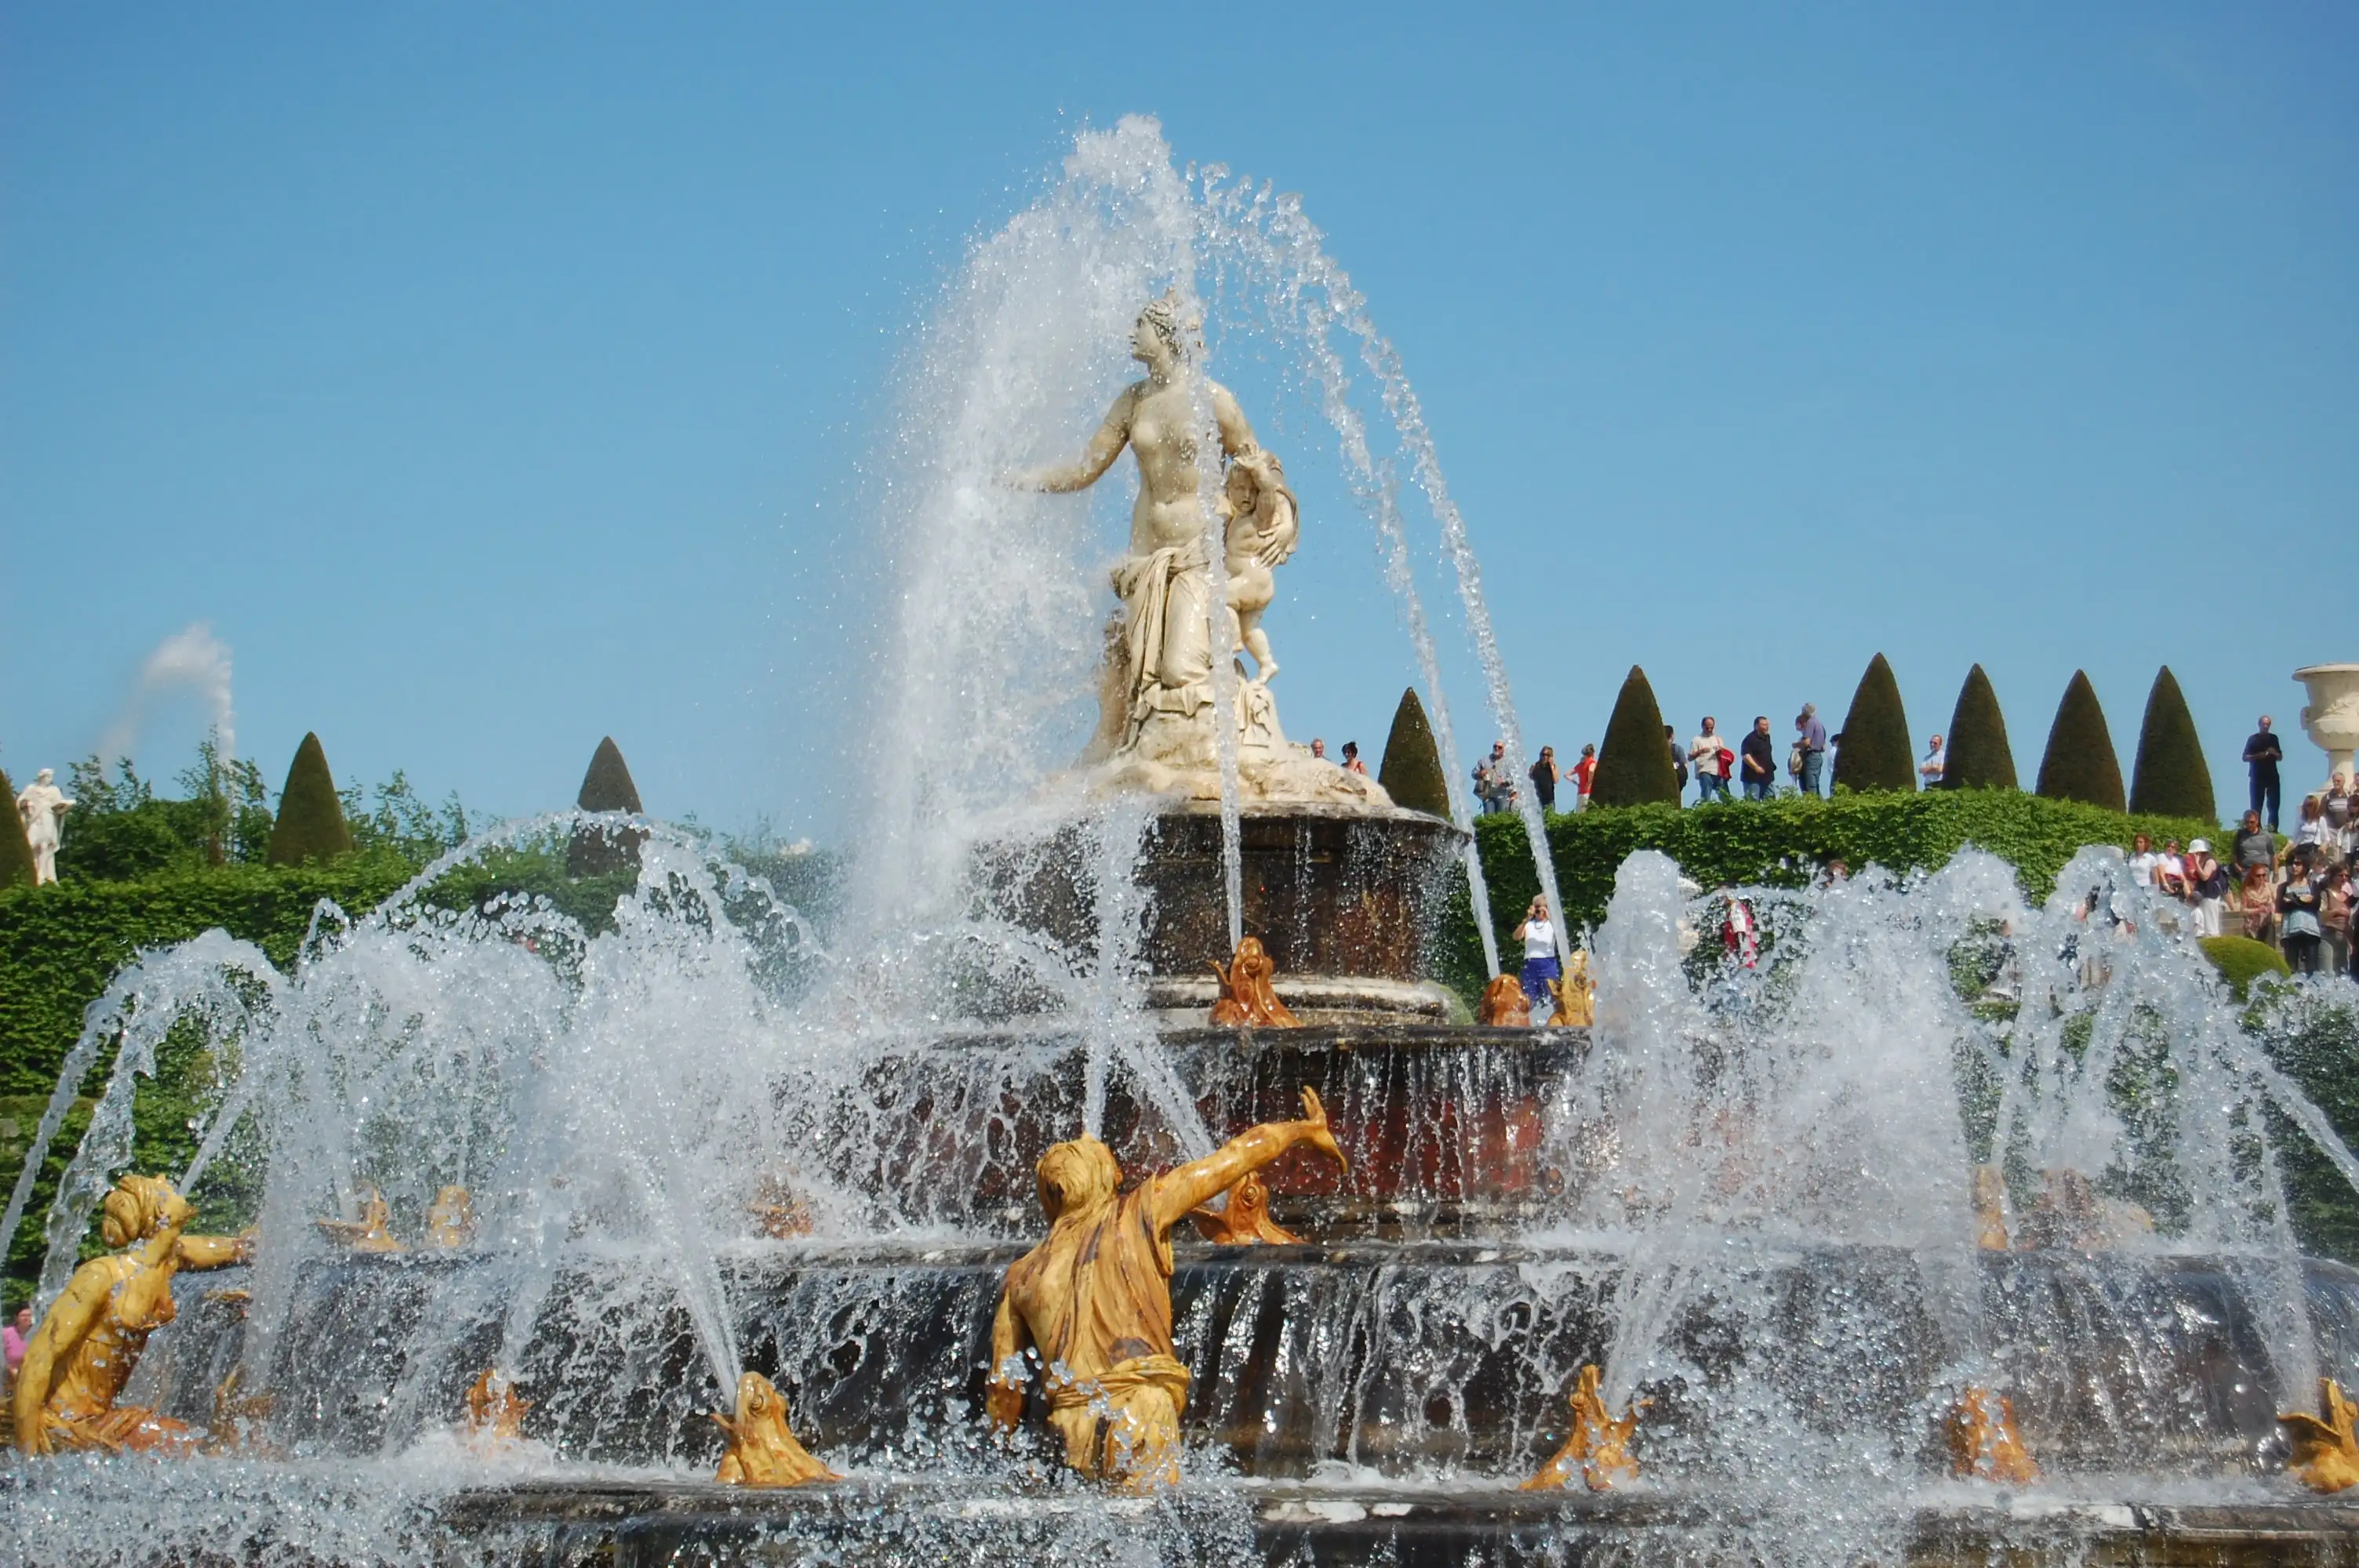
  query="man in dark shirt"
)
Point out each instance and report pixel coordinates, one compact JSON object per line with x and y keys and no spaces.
{"x":1760,"y":760}
{"x":2263,"y":752}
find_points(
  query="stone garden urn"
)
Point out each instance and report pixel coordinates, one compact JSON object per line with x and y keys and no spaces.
{"x":2331,"y":719}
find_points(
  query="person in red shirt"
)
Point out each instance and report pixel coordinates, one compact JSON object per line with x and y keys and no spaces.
{"x":1582,"y":771}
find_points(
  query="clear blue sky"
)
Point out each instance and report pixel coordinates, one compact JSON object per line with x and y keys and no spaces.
{"x":493,"y":378}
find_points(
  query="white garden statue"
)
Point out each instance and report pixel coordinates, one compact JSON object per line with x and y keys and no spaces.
{"x":43,"y":806}
{"x":1155,"y":730}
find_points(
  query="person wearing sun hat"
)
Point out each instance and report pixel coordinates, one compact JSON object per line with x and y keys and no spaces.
{"x":2206,"y":887}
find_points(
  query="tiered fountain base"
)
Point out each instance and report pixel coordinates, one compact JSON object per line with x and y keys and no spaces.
{"x":647,"y":1524}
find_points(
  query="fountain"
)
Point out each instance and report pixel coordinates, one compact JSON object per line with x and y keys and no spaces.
{"x":692,"y":1229}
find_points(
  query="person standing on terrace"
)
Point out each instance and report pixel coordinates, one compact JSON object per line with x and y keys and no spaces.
{"x":1760,"y":760}
{"x":2263,"y":752}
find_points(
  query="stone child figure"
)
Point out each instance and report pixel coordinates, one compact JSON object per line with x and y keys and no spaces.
{"x":1262,"y":526}
{"x":1095,"y":1300}
{"x":85,"y":1350}
{"x":43,"y":806}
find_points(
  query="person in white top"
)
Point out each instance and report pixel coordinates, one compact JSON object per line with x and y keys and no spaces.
{"x":1709,"y":754}
{"x":2143,"y":861}
{"x":2316,"y":827}
{"x":1929,"y":770}
{"x":1537,"y":934}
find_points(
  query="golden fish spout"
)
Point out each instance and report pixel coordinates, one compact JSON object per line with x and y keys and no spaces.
{"x":494,"y":1414}
{"x":1599,"y":1449}
{"x":2325,"y":1457}
{"x":1983,"y":1442}
{"x":760,"y":1451}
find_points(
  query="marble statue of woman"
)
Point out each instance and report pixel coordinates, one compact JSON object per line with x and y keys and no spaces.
{"x":1156,"y":727}
{"x":43,"y":806}
{"x":1162,"y":654}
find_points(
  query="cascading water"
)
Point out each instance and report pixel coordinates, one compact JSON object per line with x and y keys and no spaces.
{"x":698,"y":1137}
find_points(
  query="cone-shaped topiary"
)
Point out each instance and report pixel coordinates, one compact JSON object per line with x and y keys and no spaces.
{"x":16,"y":855}
{"x":1978,"y":756}
{"x":2080,"y":763}
{"x":1874,"y":752}
{"x":1412,"y":771}
{"x":310,"y":825}
{"x":2172,"y":779}
{"x":607,"y":786}
{"x":1634,"y":766}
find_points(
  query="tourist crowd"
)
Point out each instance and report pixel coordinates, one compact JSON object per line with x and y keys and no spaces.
{"x":1751,"y":766}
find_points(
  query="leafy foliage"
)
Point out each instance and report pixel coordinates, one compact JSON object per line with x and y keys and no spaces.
{"x":1634,"y":766}
{"x":1978,"y":754}
{"x":2171,"y":776}
{"x":310,"y":825}
{"x":1412,"y":771}
{"x":402,"y":822}
{"x":121,"y":828}
{"x":2080,"y":763}
{"x":1875,"y":753}
{"x":16,"y":854}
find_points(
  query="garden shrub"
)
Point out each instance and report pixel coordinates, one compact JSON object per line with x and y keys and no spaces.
{"x":2171,"y":778}
{"x":16,"y":853}
{"x":1875,"y":753}
{"x":1633,"y":766}
{"x":1412,"y":771}
{"x":310,"y":825}
{"x":2079,"y":763}
{"x":607,"y":786}
{"x":2241,"y":961}
{"x":1978,"y":756}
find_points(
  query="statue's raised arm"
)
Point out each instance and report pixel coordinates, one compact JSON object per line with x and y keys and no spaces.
{"x":1176,"y":1192}
{"x":1105,"y":447}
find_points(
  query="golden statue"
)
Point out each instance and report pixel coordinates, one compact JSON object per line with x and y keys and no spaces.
{"x":1246,"y":1222}
{"x":1983,"y":1442}
{"x":1599,"y":1449}
{"x":2325,"y":1453}
{"x":85,"y":1350}
{"x":1505,"y":1006}
{"x":370,"y":1233}
{"x":1095,"y":1300}
{"x":1576,"y":995}
{"x":761,"y":1451}
{"x":1990,"y":1208}
{"x":451,"y":1223}
{"x":494,"y":1414}
{"x":776,"y":1212}
{"x":237,"y":1422}
{"x":1247,"y":993}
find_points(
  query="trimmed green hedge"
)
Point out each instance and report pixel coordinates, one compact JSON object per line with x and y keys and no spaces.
{"x":1783,"y":843}
{"x":60,"y":945}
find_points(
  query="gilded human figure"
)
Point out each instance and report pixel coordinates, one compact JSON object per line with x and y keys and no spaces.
{"x":87,"y":1348}
{"x":1094,"y":1300}
{"x":1157,"y":703}
{"x":42,"y":807}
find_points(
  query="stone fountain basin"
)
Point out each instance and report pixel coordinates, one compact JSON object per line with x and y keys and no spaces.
{"x":955,"y":1519}
{"x":1444,"y":1127}
{"x":1447,"y":1358}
